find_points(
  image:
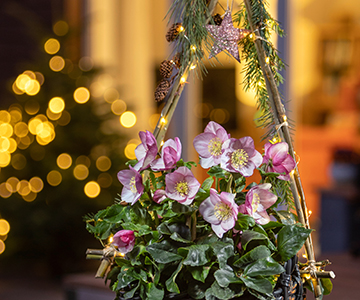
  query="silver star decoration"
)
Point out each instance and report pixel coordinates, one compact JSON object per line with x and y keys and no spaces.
{"x":226,"y":37}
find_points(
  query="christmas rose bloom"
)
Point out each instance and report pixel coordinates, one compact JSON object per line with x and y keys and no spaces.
{"x":124,"y":240}
{"x":133,"y":186}
{"x":240,"y":156}
{"x":220,"y":211}
{"x":145,"y":152}
{"x":170,"y":155}
{"x":258,"y":199}
{"x":209,"y":144}
{"x":181,"y":185}
{"x":278,"y":160}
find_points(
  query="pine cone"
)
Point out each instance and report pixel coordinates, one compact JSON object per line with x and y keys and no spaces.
{"x":176,"y":60}
{"x":166,"y":68}
{"x":173,"y":32}
{"x":217,"y":19}
{"x":161,"y":90}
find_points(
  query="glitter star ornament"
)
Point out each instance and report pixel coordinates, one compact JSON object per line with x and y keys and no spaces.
{"x":226,"y":37}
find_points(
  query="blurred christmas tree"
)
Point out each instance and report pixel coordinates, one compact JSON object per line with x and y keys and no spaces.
{"x":60,"y":150}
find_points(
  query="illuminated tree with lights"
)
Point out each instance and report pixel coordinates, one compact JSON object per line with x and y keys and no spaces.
{"x":60,"y":150}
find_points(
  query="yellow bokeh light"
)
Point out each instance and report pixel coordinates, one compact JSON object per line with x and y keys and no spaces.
{"x":13,"y":145}
{"x":103,"y":163}
{"x":105,"y":180}
{"x":52,"y":46}
{"x":12,"y":184}
{"x":21,"y":129}
{"x":64,"y":161}
{"x":130,"y":151}
{"x":36,"y":184}
{"x":118,"y":107}
{"x":153,"y":120}
{"x":86,"y":63}
{"x":111,"y":95}
{"x":4,"y":192}
{"x":54,"y":178}
{"x":6,"y":130}
{"x":5,"y":158}
{"x":128,"y":119}
{"x":5,"y":116}
{"x":61,"y":28}
{"x":15,"y":115}
{"x":23,"y":187}
{"x":81,"y":95}
{"x":2,"y":246}
{"x":32,"y":87}
{"x":57,"y":63}
{"x":56,"y":105}
{"x":18,"y":161}
{"x":52,"y":116}
{"x":16,"y":90}
{"x":83,"y":160}
{"x":81,"y":172}
{"x":33,"y":125}
{"x":4,"y":227}
{"x":92,"y":189}
{"x":29,"y":73}
{"x":64,"y":119}
{"x":39,"y":77}
{"x":21,"y":81}
{"x":4,"y":144}
{"x":29,"y":197}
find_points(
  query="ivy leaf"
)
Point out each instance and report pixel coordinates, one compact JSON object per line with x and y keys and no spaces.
{"x":170,"y":283}
{"x":226,"y":276}
{"x":259,"y":252}
{"x":327,"y":285}
{"x":261,"y":285}
{"x":208,"y":182}
{"x":177,"y":237}
{"x":263,"y":267}
{"x":223,"y":251}
{"x":251,"y":236}
{"x":124,"y":279}
{"x":130,"y":294}
{"x":153,"y":293}
{"x":219,"y":292}
{"x":139,"y":229}
{"x":244,"y":222}
{"x":218,"y":172}
{"x":201,"y":273}
{"x":290,"y":240}
{"x":163,"y":252}
{"x":202,"y":195}
{"x":198,"y":255}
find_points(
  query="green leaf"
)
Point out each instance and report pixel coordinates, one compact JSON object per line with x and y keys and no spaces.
{"x":208,"y":182}
{"x":134,"y":255}
{"x":255,"y":254}
{"x":181,"y":208}
{"x":153,"y":293}
{"x":218,"y":172}
{"x":249,"y":236}
{"x":170,"y":283}
{"x":163,"y":252}
{"x":139,"y":229}
{"x":244,"y":222}
{"x":290,"y":240}
{"x":327,"y":285}
{"x":261,"y":285}
{"x":272,"y":225}
{"x":223,"y":251}
{"x":285,"y":217}
{"x":198,"y":255}
{"x":202,"y":194}
{"x":180,"y":228}
{"x":177,"y":237}
{"x":130,"y":294}
{"x":200,"y":273}
{"x":153,"y":180}
{"x":219,"y":292}
{"x":263,"y":267}
{"x":124,"y":279}
{"x":226,"y":276}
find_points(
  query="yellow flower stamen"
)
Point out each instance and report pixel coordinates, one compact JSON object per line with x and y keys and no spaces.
{"x":255,"y":202}
{"x":133,"y":185}
{"x":239,"y":158}
{"x":182,"y":188}
{"x":214,"y":146}
{"x":222,"y":211}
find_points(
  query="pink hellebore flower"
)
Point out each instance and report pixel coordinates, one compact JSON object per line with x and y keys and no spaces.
{"x":133,"y":186}
{"x":170,"y":155}
{"x":145,"y":152}
{"x":181,"y":185}
{"x":209,"y":144}
{"x":278,"y":160}
{"x":220,"y":211}
{"x":258,"y":199}
{"x":159,"y":196}
{"x":124,"y":240}
{"x":240,"y":156}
